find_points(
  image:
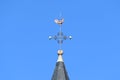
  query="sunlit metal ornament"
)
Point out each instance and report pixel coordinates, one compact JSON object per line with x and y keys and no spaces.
{"x":59,"y":21}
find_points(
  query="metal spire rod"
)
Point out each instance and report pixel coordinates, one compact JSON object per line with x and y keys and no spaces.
{"x":60,"y":37}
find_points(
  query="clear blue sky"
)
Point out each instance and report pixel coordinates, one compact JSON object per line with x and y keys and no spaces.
{"x":27,"y":54}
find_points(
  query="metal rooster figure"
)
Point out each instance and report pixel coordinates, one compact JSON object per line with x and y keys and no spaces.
{"x":60,"y":37}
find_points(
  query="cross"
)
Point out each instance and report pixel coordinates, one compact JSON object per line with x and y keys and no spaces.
{"x":60,"y":37}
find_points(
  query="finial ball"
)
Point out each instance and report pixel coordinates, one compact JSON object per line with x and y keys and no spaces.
{"x":60,"y":52}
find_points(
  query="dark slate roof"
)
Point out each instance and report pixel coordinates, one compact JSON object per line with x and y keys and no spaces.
{"x":60,"y":72}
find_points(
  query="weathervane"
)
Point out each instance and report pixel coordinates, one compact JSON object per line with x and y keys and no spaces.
{"x":60,"y":37}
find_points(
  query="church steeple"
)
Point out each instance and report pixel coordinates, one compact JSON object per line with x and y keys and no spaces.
{"x":60,"y":72}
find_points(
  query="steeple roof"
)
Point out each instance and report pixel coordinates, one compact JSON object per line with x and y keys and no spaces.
{"x":60,"y":72}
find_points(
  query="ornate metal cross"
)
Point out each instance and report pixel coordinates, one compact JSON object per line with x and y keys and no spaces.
{"x":60,"y":37}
